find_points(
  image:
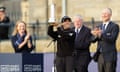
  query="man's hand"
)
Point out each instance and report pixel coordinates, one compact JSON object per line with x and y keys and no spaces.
{"x":54,"y":24}
{"x":100,"y":33}
{"x":95,"y":32}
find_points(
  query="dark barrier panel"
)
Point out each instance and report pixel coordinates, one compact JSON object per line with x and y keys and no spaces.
{"x":32,"y":62}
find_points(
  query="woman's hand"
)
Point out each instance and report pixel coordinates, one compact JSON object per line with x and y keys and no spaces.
{"x":27,"y":37}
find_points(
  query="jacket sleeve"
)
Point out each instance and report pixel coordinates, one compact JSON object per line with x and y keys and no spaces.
{"x":52,"y":33}
{"x":87,"y":40}
{"x":93,"y":39}
{"x":112,"y":36}
{"x":6,"y":20}
{"x":33,"y":46}
{"x":15,"y":43}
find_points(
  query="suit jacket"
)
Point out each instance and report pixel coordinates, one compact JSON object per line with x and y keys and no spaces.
{"x":83,"y":40}
{"x":107,"y":42}
{"x":82,"y":53}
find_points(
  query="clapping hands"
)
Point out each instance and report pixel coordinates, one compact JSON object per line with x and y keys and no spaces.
{"x":27,"y":37}
{"x":96,"y":32}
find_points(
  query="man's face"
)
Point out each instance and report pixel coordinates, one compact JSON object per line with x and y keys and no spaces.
{"x":106,"y":15}
{"x":78,"y":22}
{"x":66,"y":23}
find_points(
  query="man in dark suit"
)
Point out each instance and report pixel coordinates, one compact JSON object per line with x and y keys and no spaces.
{"x":106,"y":35}
{"x":81,"y":53}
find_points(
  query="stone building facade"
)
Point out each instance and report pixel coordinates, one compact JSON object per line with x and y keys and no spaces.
{"x":39,"y":9}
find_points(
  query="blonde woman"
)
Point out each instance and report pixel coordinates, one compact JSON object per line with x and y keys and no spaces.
{"x":21,"y":40}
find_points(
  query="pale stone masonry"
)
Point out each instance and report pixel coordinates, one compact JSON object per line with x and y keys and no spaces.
{"x":41,"y":46}
{"x":87,"y":8}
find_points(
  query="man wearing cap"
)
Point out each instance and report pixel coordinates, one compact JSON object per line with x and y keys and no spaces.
{"x":65,"y":41}
{"x":4,"y":24}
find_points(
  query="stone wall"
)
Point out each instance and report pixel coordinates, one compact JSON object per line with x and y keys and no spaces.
{"x":93,"y":8}
{"x":41,"y":46}
{"x":39,"y":9}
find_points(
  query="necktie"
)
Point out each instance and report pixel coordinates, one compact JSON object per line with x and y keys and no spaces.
{"x":103,"y":27}
{"x":77,"y":32}
{"x":76,"y":38}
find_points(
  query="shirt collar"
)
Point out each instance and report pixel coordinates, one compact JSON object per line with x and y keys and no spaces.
{"x":18,"y":35}
{"x":78,"y":29}
{"x":106,"y":24}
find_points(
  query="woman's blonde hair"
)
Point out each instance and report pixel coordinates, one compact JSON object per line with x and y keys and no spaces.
{"x":15,"y":28}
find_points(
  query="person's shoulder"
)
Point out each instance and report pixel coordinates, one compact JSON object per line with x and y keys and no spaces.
{"x":114,"y":24}
{"x":87,"y":28}
{"x":73,"y":29}
{"x":7,"y":19}
{"x":13,"y":36}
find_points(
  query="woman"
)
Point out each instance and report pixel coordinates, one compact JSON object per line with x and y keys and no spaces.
{"x":21,"y":40}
